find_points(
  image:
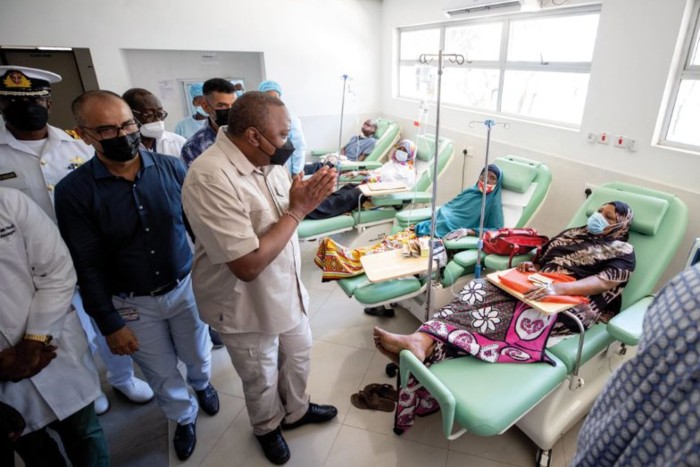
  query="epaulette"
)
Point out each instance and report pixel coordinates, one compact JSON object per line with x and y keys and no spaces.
{"x":72,"y":133}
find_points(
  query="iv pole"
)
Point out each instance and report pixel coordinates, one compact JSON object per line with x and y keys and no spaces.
{"x":342,"y":113}
{"x":425,"y":59}
{"x":480,"y":244}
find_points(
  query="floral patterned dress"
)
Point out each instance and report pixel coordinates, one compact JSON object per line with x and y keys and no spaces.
{"x":492,"y":325}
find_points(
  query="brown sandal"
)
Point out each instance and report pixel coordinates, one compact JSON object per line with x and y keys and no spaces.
{"x":371,"y":401}
{"x":385,"y":391}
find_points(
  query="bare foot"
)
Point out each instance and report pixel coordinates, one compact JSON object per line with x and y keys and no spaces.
{"x":419,"y":343}
{"x":394,"y":357}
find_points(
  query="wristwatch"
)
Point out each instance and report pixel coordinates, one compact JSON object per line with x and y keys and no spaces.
{"x":46,"y":340}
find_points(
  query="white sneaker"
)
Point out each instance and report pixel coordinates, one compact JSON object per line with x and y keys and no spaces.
{"x":136,"y":391}
{"x":101,"y":404}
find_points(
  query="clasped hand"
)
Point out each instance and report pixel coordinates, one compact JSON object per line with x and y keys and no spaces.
{"x":25,"y":360}
{"x":305,"y":195}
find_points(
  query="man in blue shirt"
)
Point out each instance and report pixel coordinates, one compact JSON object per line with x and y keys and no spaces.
{"x":361,"y":145}
{"x":121,"y":216}
{"x":219,"y":96}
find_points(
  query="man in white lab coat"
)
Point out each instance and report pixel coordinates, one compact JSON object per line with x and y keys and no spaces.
{"x":46,"y":369}
{"x":34,"y":157}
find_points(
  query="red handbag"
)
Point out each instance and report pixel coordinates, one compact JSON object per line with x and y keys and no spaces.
{"x":511,"y":242}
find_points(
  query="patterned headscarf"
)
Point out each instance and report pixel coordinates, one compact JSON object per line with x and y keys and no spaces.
{"x":624,"y":214}
{"x":581,"y":254}
{"x":464,"y":210}
{"x":407,"y":146}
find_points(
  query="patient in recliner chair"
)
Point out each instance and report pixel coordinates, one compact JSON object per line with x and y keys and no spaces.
{"x":362,"y":144}
{"x":492,"y":325}
{"x":460,"y":216}
{"x":399,"y":168}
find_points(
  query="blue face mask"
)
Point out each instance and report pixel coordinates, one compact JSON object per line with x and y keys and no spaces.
{"x":597,"y":223}
{"x":201,"y":111}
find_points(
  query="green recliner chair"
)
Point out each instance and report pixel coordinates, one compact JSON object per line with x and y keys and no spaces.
{"x":387,"y":135}
{"x":487,"y":399}
{"x":386,"y":206}
{"x":525,"y":186}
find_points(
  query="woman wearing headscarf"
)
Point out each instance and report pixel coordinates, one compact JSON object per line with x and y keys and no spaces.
{"x":494,"y":326}
{"x":460,"y":214}
{"x":464,"y":211}
{"x":399,"y":168}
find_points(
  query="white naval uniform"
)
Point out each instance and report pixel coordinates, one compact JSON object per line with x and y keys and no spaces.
{"x":37,"y":174}
{"x":37,"y":286}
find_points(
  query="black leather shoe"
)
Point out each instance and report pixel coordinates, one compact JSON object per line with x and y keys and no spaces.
{"x":185,"y":440}
{"x":274,"y":446}
{"x":208,"y":400}
{"x":315,"y":414}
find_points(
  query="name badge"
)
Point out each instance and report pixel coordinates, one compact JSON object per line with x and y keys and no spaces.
{"x":129,"y":314}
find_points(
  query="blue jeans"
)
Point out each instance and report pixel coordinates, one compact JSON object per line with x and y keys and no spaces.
{"x":168,"y":328}
{"x":120,"y":369}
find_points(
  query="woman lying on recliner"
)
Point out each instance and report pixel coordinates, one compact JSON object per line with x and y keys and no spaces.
{"x":494,"y":326}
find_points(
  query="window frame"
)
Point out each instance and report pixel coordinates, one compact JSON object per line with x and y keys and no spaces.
{"x":684,"y":71}
{"x":502,"y":64}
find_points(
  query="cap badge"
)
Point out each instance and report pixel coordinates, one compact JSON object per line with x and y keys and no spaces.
{"x":16,"y":79}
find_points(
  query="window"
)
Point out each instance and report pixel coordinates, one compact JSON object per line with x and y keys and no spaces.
{"x":683,"y":115}
{"x":531,"y":65}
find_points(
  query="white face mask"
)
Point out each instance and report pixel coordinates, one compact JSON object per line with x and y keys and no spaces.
{"x":153,"y":130}
{"x":400,"y":156}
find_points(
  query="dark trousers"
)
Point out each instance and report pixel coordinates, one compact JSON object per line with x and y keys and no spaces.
{"x":343,"y":200}
{"x":83,"y":440}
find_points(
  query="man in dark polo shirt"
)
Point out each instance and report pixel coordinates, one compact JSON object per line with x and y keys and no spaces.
{"x":121,"y":217}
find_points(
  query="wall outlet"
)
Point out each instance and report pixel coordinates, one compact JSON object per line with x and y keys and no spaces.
{"x":604,"y":138}
{"x":631,"y":144}
{"x":591,"y":137}
{"x":620,"y":142}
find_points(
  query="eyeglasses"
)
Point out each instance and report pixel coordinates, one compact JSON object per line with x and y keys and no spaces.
{"x":158,"y":115}
{"x":107,"y":132}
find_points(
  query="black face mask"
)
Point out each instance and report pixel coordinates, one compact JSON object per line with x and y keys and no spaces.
{"x":26,"y":116}
{"x":221,"y":117}
{"x":121,"y":148}
{"x":282,"y":154}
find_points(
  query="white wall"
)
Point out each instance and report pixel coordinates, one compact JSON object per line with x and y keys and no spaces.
{"x":307,"y":44}
{"x":160,"y":71}
{"x":633,"y":57}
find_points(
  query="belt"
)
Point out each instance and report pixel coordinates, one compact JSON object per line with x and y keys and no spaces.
{"x":162,"y":290}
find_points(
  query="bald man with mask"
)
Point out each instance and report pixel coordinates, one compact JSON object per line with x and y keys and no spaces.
{"x":121,"y":216}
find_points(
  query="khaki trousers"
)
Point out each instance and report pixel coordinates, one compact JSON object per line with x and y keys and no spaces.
{"x":274,"y":369}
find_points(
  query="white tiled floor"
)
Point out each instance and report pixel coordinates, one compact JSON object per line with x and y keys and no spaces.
{"x":343,"y":361}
